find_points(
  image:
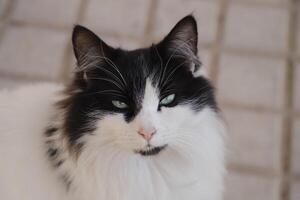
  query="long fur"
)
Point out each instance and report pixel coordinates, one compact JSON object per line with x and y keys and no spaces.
{"x":192,"y":167}
{"x":71,"y":143}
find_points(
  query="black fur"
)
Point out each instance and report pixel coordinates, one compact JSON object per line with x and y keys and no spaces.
{"x":50,"y":131}
{"x":52,"y":152}
{"x":175,"y":56}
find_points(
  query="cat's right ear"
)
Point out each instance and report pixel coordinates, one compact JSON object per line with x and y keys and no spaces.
{"x":88,"y":48}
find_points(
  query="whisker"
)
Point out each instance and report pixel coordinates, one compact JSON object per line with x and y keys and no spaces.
{"x":113,"y":65}
{"x":112,"y":74}
{"x":172,"y":73}
{"x":89,"y":60}
{"x":108,"y":92}
{"x":161,"y":64}
{"x":172,"y":55}
{"x":110,"y":81}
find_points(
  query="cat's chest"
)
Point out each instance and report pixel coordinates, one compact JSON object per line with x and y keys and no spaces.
{"x":147,"y":182}
{"x":138,"y":191}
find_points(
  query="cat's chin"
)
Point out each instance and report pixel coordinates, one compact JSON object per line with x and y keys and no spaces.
{"x":150,"y":150}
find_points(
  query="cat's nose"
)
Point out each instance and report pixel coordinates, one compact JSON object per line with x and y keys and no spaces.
{"x":146,"y":134}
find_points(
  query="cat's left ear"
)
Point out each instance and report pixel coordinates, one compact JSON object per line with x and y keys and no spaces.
{"x":183,"y":40}
{"x":88,"y":47}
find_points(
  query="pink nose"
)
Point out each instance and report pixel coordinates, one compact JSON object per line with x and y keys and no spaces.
{"x":146,"y":134}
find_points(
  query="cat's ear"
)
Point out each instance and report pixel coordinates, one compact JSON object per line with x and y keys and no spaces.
{"x":183,"y":40}
{"x":183,"y":36}
{"x":88,"y":47}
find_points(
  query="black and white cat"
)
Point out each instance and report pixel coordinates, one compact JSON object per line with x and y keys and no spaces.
{"x":132,"y":125}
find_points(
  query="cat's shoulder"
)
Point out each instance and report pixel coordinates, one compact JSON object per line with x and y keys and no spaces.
{"x":34,"y":100}
{"x":24,"y":116}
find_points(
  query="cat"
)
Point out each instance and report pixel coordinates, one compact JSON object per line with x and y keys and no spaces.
{"x":131,"y":125}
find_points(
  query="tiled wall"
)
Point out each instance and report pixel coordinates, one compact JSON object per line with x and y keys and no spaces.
{"x":251,"y":49}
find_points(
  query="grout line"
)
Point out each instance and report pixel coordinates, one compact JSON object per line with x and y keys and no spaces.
{"x":254,"y":108}
{"x":205,"y":45}
{"x":64,"y":75}
{"x":7,"y":10}
{"x":252,"y":170}
{"x":255,"y":52}
{"x":214,"y":65}
{"x":260,"y":3}
{"x":5,"y":17}
{"x":67,"y":60}
{"x":150,"y":23}
{"x":24,"y":77}
{"x":44,"y":25}
{"x":287,"y":126}
{"x":259,"y":109}
{"x":38,"y":26}
{"x":82,"y":10}
{"x":68,"y":28}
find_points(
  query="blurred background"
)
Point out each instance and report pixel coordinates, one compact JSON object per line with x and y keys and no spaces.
{"x":249,"y":47}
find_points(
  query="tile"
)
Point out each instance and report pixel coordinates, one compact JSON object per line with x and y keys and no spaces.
{"x":256,"y":28}
{"x":3,"y":6}
{"x":32,"y":52}
{"x":296,"y":146}
{"x":246,"y":187}
{"x":8,"y":83}
{"x":254,"y":81}
{"x":122,"y":17}
{"x":54,"y":12}
{"x":254,"y":139}
{"x":296,"y":88}
{"x":171,"y":11}
{"x":295,"y":191}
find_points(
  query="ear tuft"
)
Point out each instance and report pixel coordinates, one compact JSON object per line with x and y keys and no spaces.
{"x":182,"y":41}
{"x":84,"y":41}
{"x":184,"y":36}
{"x":88,"y":47}
{"x":90,"y":52}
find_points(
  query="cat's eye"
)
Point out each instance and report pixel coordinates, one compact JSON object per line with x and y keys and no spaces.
{"x":167,"y":100}
{"x":119,"y":104}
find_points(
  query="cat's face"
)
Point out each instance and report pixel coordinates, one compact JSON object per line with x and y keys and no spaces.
{"x":140,"y":102}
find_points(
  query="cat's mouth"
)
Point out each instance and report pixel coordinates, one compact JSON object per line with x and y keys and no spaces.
{"x":151,"y":150}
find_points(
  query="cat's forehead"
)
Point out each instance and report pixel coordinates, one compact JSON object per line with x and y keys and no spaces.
{"x":138,"y":59}
{"x":137,"y":65}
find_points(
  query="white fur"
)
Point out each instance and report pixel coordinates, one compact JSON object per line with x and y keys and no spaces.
{"x":191,"y":167}
{"x":25,"y":173}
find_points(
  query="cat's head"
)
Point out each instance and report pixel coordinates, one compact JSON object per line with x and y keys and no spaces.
{"x":142,"y":102}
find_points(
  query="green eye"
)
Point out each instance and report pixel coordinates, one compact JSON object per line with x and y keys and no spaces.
{"x":167,"y":100}
{"x":119,"y":104}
